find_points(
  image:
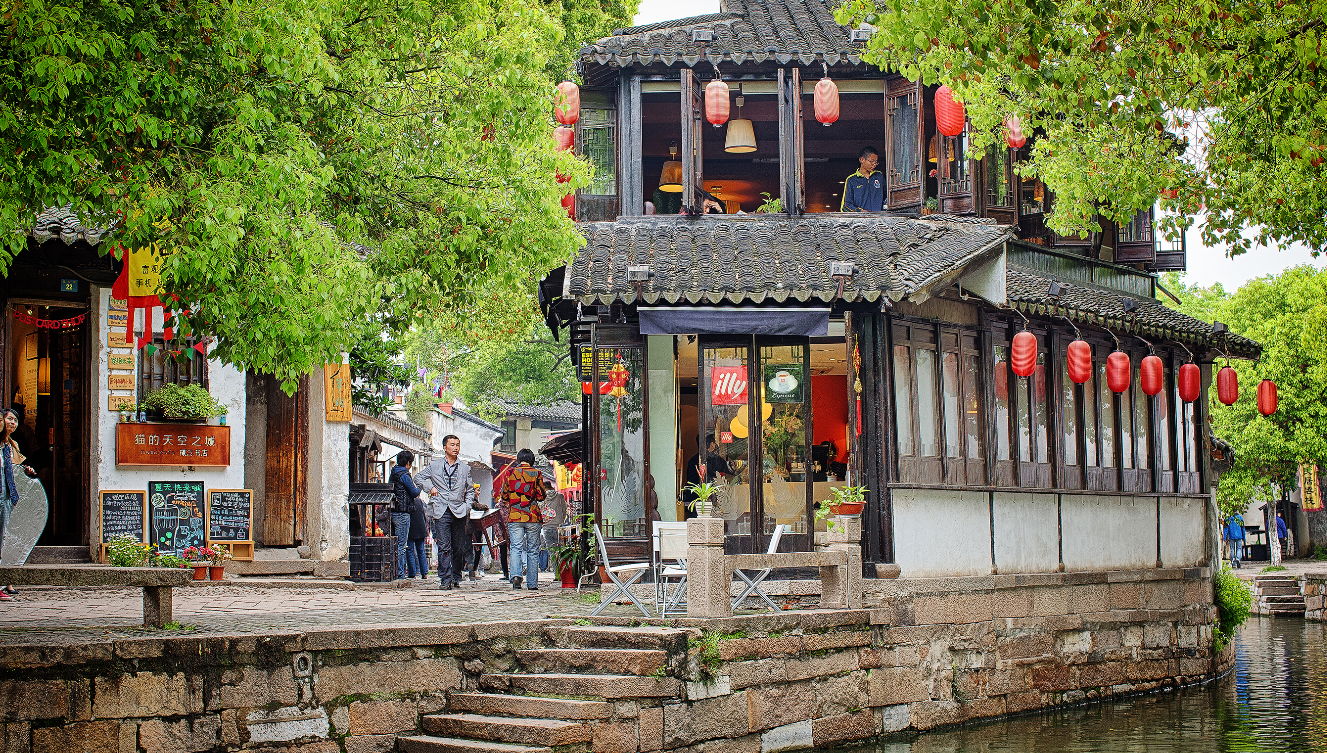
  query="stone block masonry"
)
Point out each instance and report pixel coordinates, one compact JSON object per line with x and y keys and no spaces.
{"x":925,"y":653}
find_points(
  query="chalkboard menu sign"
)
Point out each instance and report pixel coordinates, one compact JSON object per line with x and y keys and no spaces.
{"x":176,"y":520}
{"x":123,"y":515}
{"x":229,"y":514}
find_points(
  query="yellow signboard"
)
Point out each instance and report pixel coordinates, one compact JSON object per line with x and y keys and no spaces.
{"x":144,"y":271}
{"x":119,"y":338}
{"x":1308,"y":485}
{"x":336,"y":388}
{"x":117,"y":318}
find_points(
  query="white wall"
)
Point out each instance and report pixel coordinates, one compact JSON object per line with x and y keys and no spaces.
{"x":224,"y":382}
{"x":939,"y":532}
{"x":1183,"y":533}
{"x":327,"y":534}
{"x":1027,"y":532}
{"x":1109,"y":532}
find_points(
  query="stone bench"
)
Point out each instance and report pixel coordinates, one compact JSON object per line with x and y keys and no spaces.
{"x":156,"y":583}
{"x":710,"y":571}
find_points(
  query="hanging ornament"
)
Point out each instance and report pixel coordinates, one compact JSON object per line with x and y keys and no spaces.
{"x":565,"y":136}
{"x":1190,"y":381}
{"x":1023,"y":353}
{"x":1078,"y":360}
{"x":1118,"y":371}
{"x":1227,"y":385}
{"x":140,"y":289}
{"x":1267,"y":397}
{"x":826,"y":100}
{"x":1151,"y":375}
{"x":716,"y":102}
{"x":1013,"y":133}
{"x":617,"y":377}
{"x":567,"y":103}
{"x":949,"y":115}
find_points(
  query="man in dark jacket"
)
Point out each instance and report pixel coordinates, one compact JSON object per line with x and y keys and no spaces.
{"x":405,"y":495}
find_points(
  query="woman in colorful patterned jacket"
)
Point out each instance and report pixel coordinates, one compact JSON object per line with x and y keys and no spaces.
{"x":522,"y":491}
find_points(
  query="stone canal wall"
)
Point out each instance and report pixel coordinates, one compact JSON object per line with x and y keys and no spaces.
{"x":928,"y":653}
{"x":1314,"y":586}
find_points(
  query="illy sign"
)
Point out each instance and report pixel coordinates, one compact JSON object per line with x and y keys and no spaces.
{"x":728,"y":385}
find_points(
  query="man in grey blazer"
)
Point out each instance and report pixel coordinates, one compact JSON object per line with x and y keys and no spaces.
{"x":451,"y":496}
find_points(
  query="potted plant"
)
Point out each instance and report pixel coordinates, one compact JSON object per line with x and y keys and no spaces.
{"x":770,"y":205}
{"x":218,"y":557}
{"x":844,"y":500}
{"x":123,"y":551}
{"x":191,"y":403}
{"x":563,"y":559}
{"x":702,"y":504}
{"x":197,"y":559}
{"x":932,"y":206}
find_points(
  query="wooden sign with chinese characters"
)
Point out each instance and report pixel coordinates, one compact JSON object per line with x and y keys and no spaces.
{"x":119,"y":338}
{"x":119,"y":381}
{"x":117,"y":318}
{"x":1309,"y":488}
{"x":120,"y":402}
{"x":172,"y":444}
{"x":123,"y":361}
{"x":119,"y":305}
{"x":336,"y":391}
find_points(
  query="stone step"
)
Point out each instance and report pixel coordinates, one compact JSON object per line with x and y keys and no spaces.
{"x":1296,"y":599}
{"x":431,"y":744}
{"x":607,"y":636}
{"x":1276,"y":580}
{"x":583,"y":686}
{"x":492,"y":704}
{"x":59,"y":555}
{"x":1278,"y":591}
{"x":605,"y":661}
{"x":504,"y":729}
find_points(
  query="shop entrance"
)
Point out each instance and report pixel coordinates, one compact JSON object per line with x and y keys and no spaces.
{"x":46,"y":380}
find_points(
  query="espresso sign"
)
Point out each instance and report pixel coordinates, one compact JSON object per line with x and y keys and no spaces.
{"x":172,"y":444}
{"x":230,"y":515}
{"x":123,"y":515}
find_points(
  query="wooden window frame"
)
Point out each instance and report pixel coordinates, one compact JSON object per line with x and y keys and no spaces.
{"x":165,"y":370}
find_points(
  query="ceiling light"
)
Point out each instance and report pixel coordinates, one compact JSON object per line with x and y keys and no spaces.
{"x":741,"y":136}
{"x":670,"y":180}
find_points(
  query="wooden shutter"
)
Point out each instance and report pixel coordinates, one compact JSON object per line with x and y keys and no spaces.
{"x":904,"y":149}
{"x":692,"y":156}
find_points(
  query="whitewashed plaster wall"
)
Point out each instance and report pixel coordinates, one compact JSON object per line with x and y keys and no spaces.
{"x":328,"y":524}
{"x":224,"y":382}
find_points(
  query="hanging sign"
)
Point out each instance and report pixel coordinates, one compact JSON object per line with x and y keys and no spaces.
{"x":176,"y":521}
{"x":1308,"y":485}
{"x":728,"y":385}
{"x":124,"y":361}
{"x":119,"y":381}
{"x":783,"y":383}
{"x":70,"y":323}
{"x":172,"y":444}
{"x":336,"y":391}
{"x":120,"y":402}
{"x":117,"y":318}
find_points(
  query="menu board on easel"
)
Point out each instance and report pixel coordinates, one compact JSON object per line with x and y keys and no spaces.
{"x":230,"y":520}
{"x":123,"y":515}
{"x":176,"y":519}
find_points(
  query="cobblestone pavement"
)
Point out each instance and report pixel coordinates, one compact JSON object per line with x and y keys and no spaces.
{"x":58,"y":615}
{"x":1292,"y":567}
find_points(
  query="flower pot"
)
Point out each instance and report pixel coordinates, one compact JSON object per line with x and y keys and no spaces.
{"x":847,"y":508}
{"x":217,"y":573}
{"x":568,"y":577}
{"x":200,"y":572}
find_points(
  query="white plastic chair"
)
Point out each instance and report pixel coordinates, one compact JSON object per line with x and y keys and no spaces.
{"x":670,"y":544}
{"x":636,"y":569}
{"x":753,"y":583}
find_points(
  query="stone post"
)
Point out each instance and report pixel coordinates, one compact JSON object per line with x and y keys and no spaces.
{"x":841,"y":587}
{"x":708,"y":577}
{"x":158,"y":606}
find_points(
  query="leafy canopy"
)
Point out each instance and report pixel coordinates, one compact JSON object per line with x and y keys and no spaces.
{"x":1218,"y":100}
{"x":313,"y":171}
{"x":1287,"y":314}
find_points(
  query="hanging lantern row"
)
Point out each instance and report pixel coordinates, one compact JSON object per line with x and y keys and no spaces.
{"x":1151,"y":373}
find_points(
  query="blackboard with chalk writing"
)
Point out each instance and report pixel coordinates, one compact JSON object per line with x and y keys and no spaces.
{"x":230,"y":515}
{"x":175,"y":520}
{"x":123,"y":515}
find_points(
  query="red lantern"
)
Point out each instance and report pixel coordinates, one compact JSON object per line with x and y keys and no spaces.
{"x":1151,"y":375}
{"x":716,"y":102}
{"x":567,"y":103}
{"x":827,"y":101}
{"x":1190,"y":382}
{"x":1267,"y":397}
{"x":1078,"y":357}
{"x":1227,"y":385}
{"x":1023,"y":353}
{"x":949,"y":114}
{"x":565,"y":136}
{"x":1170,"y":193}
{"x":1118,"y":371}
{"x":569,"y":204}
{"x":1013,"y":133}
{"x":604,"y":387}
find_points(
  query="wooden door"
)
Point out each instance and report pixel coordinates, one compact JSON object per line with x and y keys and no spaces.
{"x":286,"y":494}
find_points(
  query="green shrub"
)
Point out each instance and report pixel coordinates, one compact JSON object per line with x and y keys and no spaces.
{"x":1271,"y":569}
{"x":127,"y":552}
{"x":1233,"y":600}
{"x":190,"y":403}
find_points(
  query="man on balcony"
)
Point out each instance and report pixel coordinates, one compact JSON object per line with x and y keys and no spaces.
{"x":864,"y":190}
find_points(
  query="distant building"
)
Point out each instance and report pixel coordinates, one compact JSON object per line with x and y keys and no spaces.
{"x":531,"y":426}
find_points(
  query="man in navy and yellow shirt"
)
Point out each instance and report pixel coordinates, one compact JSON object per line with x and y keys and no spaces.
{"x":864,"y":190}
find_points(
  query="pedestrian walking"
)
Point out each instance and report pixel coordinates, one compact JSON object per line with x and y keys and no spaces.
{"x":451,"y":498}
{"x":9,"y":457}
{"x":416,"y":556}
{"x":523,"y":490}
{"x":1233,"y":533}
{"x":1281,"y":535}
{"x":404,"y":495}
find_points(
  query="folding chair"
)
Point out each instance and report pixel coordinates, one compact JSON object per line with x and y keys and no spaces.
{"x":753,"y":583}
{"x":637,"y":569}
{"x":670,"y":543}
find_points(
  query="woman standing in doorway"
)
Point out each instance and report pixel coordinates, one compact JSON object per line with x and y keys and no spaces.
{"x":9,"y":457}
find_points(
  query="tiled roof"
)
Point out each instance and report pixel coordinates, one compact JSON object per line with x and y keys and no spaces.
{"x":62,"y":223}
{"x":755,"y":258}
{"x":559,"y":410}
{"x":753,"y":31}
{"x":1028,"y":292}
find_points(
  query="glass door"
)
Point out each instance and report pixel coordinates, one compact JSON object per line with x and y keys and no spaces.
{"x":725,"y":440}
{"x":784,"y":388}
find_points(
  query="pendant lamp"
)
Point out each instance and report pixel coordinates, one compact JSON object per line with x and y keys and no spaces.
{"x":741,"y":137}
{"x":670,"y":180}
{"x":931,"y":155}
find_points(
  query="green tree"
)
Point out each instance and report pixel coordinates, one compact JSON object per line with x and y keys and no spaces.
{"x":1287,"y":314}
{"x":1218,"y":100}
{"x":311,"y":171}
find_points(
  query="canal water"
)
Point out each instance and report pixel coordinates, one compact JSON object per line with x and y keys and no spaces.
{"x":1274,"y":700}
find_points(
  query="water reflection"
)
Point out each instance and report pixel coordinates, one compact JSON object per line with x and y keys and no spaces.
{"x":1275,"y":700}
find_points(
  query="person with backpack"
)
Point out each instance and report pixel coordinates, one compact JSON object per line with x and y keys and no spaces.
{"x":405,"y":495}
{"x":1233,"y":533}
{"x":523,"y":490}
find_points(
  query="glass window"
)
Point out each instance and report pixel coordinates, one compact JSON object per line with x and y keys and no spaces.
{"x":1138,"y":229}
{"x":1069,"y":415}
{"x":903,"y":399}
{"x":998,"y":190}
{"x":904,"y":162}
{"x":184,"y":367}
{"x":955,"y":169}
{"x":1090,"y":420}
{"x":1181,"y":432}
{"x":1106,"y":410}
{"x":927,"y":420}
{"x":1126,"y":423}
{"x":784,"y":436}
{"x":1024,"y":415}
{"x":949,"y":383}
{"x":1039,"y":381}
{"x":598,"y":146}
{"x":1189,"y":430}
{"x":971,"y":412}
{"x":1163,"y":426}
{"x":622,"y":437}
{"x":1002,"y":402}
{"x":726,"y":425}
{"x":1142,"y":428}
